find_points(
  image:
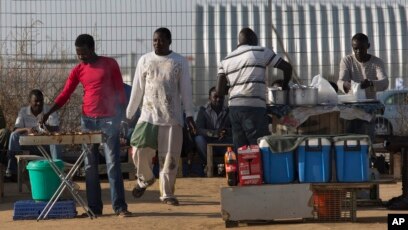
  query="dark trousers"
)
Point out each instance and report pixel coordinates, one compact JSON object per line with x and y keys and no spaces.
{"x":248,"y":124}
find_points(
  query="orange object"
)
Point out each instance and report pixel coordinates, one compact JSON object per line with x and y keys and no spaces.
{"x":328,"y":204}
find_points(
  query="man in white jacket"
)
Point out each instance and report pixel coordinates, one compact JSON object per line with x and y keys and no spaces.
{"x":162,"y":84}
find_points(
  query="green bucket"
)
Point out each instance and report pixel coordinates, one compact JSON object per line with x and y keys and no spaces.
{"x":44,"y":181}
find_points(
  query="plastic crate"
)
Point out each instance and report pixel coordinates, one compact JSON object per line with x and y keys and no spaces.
{"x":334,"y":205}
{"x":30,"y":209}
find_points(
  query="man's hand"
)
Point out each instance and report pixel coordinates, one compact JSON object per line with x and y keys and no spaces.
{"x":365,"y":84}
{"x":26,"y":130}
{"x":191,"y":126}
{"x":44,"y":118}
{"x":346,"y":86}
{"x":221,"y":134}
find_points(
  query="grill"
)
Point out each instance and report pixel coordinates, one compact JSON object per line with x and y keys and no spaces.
{"x":62,"y":139}
{"x":78,"y":138}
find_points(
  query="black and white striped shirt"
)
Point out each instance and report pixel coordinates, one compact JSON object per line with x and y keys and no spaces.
{"x":245,"y":70}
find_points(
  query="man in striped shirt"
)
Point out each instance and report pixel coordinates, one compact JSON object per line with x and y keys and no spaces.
{"x":244,"y":71}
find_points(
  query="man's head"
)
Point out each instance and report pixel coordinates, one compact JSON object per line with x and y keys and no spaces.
{"x":360,"y":45}
{"x":36,"y":100}
{"x":85,"y":48}
{"x":216,"y":101}
{"x":248,"y":37}
{"x":162,"y":41}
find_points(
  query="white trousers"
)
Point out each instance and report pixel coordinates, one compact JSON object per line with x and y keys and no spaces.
{"x":170,"y":140}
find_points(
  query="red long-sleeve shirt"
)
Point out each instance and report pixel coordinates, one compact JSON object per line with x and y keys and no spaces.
{"x":103,"y":87}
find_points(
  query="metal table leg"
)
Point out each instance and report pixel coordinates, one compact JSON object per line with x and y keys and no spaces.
{"x":65,"y":182}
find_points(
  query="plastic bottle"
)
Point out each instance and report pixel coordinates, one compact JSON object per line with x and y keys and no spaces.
{"x":231,"y":167}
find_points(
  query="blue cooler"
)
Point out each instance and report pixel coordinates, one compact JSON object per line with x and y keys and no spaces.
{"x":278,"y":166}
{"x":352,"y":160}
{"x":314,"y":160}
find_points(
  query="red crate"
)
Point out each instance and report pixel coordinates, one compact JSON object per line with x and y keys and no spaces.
{"x":249,"y":165}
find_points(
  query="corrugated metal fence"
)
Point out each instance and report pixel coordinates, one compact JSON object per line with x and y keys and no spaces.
{"x":313,"y":37}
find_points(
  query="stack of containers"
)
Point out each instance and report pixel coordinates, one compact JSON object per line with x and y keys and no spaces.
{"x":314,"y":160}
{"x":278,"y":158}
{"x":352,"y":158}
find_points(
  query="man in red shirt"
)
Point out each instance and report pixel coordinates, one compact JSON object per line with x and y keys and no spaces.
{"x":103,"y":97}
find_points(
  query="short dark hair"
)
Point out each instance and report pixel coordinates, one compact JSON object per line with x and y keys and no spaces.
{"x":35,"y":92}
{"x":85,"y":40}
{"x":360,"y":37}
{"x":248,"y":37}
{"x":166,"y":32}
{"x":211,"y":90}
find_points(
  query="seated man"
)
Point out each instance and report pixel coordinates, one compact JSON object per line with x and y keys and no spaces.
{"x":213,"y":125}
{"x":4,"y":137}
{"x":27,"y":123}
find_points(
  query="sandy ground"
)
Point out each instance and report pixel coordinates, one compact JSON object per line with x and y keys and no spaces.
{"x":199,"y":209}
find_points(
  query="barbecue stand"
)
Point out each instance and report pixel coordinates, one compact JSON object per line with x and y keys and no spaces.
{"x":66,"y":180}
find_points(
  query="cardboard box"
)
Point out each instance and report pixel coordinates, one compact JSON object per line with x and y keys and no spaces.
{"x":249,"y":165}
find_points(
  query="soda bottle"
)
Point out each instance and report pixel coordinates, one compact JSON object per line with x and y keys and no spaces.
{"x":231,"y":167}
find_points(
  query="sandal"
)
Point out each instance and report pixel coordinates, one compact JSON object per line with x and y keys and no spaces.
{"x":137,"y":191}
{"x":171,"y":201}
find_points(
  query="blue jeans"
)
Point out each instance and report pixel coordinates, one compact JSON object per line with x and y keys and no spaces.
{"x":15,"y":147}
{"x":201,"y":144}
{"x":248,"y":124}
{"x":110,"y":128}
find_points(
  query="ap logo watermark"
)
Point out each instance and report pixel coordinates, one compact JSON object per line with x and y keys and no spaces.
{"x":397,"y":221}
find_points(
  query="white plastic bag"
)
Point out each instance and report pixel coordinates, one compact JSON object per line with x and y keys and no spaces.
{"x":326,"y":92}
{"x":357,"y":91}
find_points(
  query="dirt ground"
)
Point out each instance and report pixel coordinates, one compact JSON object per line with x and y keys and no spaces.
{"x":199,"y":209}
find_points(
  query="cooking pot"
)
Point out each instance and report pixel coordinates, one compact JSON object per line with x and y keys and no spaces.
{"x":303,"y":96}
{"x":277,"y":96}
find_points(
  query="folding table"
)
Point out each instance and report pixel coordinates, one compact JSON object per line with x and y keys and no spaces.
{"x":84,"y":139}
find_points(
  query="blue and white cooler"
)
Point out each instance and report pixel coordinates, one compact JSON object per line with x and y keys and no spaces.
{"x":278,"y":158}
{"x":352,"y":158}
{"x":314,"y":160}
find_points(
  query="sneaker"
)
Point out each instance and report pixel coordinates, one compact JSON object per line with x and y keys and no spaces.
{"x":137,"y":191}
{"x":171,"y":201}
{"x":85,"y":215}
{"x":124,"y":213}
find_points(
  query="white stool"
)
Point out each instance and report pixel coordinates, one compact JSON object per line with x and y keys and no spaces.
{"x":210,"y":156}
{"x":22,"y":161}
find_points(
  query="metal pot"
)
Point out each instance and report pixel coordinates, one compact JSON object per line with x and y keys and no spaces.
{"x":303,"y":96}
{"x":277,"y":96}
